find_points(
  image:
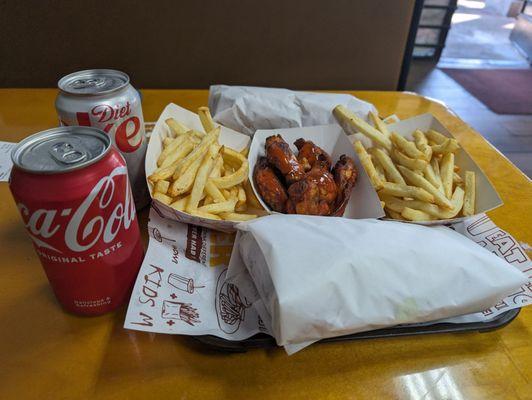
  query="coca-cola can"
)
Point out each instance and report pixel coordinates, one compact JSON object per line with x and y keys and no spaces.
{"x":72,"y":190}
{"x":104,"y":99}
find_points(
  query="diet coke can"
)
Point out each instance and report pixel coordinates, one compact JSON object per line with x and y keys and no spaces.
{"x":104,"y":99}
{"x":72,"y":190}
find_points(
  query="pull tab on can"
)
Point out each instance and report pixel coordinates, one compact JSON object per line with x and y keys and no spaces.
{"x":65,"y":153}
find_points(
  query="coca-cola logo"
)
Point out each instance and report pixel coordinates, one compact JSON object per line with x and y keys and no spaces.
{"x":128,"y":135}
{"x":85,"y":226}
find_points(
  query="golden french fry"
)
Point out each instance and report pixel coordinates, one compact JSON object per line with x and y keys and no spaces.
{"x":217,"y":167}
{"x":186,"y":147}
{"x":202,"y":214}
{"x":420,"y":181}
{"x":422,"y":144}
{"x":237,"y":216}
{"x":456,"y":168}
{"x":394,"y":215}
{"x":365,"y":160}
{"x":415,"y":215}
{"x":435,"y":136}
{"x":196,"y":134}
{"x":245,"y":151}
{"x":167,"y":141}
{"x":206,"y":120}
{"x":176,"y":127}
{"x":400,"y":190}
{"x":457,"y":179}
{"x":180,"y":204}
{"x":241,"y":199}
{"x":431,"y":176}
{"x":161,"y":187}
{"x":208,"y":200}
{"x":379,"y":169}
{"x":212,"y":190}
{"x":449,"y":146}
{"x":379,"y":124}
{"x":172,"y":146}
{"x":351,"y":124}
{"x":199,"y":184}
{"x":198,"y":152}
{"x":416,"y":164}
{"x":185,"y":182}
{"x":162,"y":198}
{"x":470,"y":194}
{"x":237,"y":177}
{"x":226,"y":193}
{"x":390,"y":169}
{"x":217,"y":208}
{"x":446,"y":172}
{"x":406,"y":146}
{"x":250,"y":195}
{"x":163,"y":173}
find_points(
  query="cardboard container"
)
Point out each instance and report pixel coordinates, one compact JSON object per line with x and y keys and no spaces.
{"x":486,"y":197}
{"x":364,"y":202}
{"x":228,"y":137}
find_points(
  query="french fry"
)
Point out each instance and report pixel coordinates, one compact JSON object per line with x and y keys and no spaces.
{"x":431,"y":176}
{"x":379,"y":169}
{"x":161,"y":187}
{"x":167,"y":141}
{"x":241,"y":200}
{"x":206,"y":119}
{"x":202,"y":214}
{"x":417,"y":180}
{"x":457,"y":179}
{"x":208,"y":200}
{"x":163,"y":173}
{"x":176,"y":127}
{"x":236,"y":177}
{"x":237,"y":216}
{"x":407,"y":147}
{"x":390,"y":169}
{"x":162,"y":198}
{"x":379,"y":124}
{"x":196,"y":134}
{"x":400,"y":190}
{"x":233,"y":192}
{"x":366,"y":162}
{"x":394,"y":215}
{"x":470,"y":194}
{"x":422,"y":144}
{"x":199,"y":183}
{"x":212,"y":190}
{"x":185,"y":182}
{"x":446,"y":172}
{"x":351,"y":123}
{"x":245,"y":151}
{"x":449,"y":146}
{"x":415,"y":215}
{"x":250,"y":196}
{"x":186,"y":147}
{"x":180,"y":204}
{"x":172,"y":146}
{"x":435,"y":136}
{"x":217,"y":208}
{"x":435,"y":164}
{"x":198,"y":152}
{"x":417,"y":164}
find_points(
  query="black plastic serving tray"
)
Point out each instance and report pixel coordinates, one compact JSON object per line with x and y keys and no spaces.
{"x":262,"y":340}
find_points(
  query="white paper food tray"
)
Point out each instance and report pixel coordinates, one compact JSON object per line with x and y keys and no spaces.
{"x":486,"y":197}
{"x":363,"y":203}
{"x":228,"y":137}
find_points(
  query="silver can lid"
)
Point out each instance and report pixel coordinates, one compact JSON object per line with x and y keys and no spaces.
{"x":93,"y":82}
{"x":61,"y":149}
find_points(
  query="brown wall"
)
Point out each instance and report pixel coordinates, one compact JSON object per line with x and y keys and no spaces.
{"x":312,"y":44}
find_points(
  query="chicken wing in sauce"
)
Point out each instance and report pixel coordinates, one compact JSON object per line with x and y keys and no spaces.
{"x":309,"y":154}
{"x":281,"y":157}
{"x":315,"y":194}
{"x":269,"y":186}
{"x":345,"y":176}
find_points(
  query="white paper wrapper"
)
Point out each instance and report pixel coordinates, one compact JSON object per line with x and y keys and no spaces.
{"x":247,"y":109}
{"x":320,"y":277}
{"x":228,"y":137}
{"x":363,"y":203}
{"x":187,"y":264}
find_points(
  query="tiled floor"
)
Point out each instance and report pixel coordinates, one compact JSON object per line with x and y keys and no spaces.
{"x":511,"y":134}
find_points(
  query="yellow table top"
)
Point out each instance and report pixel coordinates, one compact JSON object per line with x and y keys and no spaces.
{"x":48,"y":354}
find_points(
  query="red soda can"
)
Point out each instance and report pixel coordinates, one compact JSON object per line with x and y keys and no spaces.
{"x":72,"y":190}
